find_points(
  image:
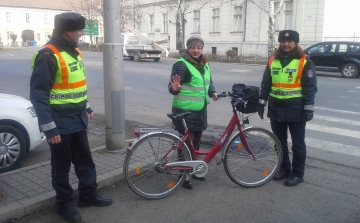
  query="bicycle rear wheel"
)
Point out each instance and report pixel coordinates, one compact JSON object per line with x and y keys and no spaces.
{"x":142,"y":166}
{"x":245,"y":171}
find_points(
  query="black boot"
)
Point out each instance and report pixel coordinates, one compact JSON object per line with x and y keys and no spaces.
{"x":69,"y":214}
{"x":98,"y":201}
{"x":281,"y":174}
{"x":187,"y":184}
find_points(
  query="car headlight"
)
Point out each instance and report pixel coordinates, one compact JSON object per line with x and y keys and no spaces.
{"x":32,"y":111}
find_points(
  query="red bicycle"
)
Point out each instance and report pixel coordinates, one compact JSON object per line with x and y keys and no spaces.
{"x":159,"y":162}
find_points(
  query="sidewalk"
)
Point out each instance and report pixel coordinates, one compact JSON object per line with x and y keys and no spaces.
{"x":29,"y":189}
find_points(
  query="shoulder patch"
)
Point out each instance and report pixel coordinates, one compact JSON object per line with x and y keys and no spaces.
{"x":310,"y":74}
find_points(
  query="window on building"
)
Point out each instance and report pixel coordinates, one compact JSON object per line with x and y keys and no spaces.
{"x":237,"y":18}
{"x":27,"y":17}
{"x":47,"y":36}
{"x":82,"y":39}
{"x":46,"y":18}
{"x":216,"y":19}
{"x":165,"y":23}
{"x":38,"y":36}
{"x":8,"y":17}
{"x":213,"y":50}
{"x":235,"y":49}
{"x":197,"y":21}
{"x":288,"y":14}
{"x":152,"y":29}
{"x":8,"y":35}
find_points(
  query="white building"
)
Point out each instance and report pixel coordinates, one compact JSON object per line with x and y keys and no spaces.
{"x":32,"y":20}
{"x":242,"y":25}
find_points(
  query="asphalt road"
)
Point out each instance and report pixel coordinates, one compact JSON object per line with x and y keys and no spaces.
{"x":330,"y":192}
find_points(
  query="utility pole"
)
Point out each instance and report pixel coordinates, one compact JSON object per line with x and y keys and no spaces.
{"x":114,"y":95}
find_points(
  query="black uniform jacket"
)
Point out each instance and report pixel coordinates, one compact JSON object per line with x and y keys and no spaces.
{"x":290,"y":110}
{"x":69,"y":118}
{"x":198,"y":120}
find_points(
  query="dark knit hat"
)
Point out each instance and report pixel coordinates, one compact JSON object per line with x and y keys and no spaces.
{"x":288,"y":35}
{"x":69,"y":21}
{"x":194,"y":41}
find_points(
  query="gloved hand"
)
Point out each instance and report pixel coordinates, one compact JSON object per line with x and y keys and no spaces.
{"x":308,"y":115}
{"x":261,"y":109}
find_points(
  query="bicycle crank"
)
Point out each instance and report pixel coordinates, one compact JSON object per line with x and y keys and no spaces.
{"x":200,"y":168}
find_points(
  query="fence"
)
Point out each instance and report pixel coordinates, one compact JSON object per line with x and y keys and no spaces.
{"x":350,"y":39}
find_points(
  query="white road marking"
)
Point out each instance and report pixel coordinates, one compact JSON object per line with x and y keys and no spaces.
{"x":340,"y":120}
{"x":337,"y":131}
{"x":331,"y":146}
{"x":338,"y":111}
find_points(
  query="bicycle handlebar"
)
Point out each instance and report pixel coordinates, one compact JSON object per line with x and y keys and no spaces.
{"x":236,"y":100}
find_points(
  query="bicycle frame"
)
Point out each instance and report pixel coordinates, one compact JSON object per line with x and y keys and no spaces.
{"x":195,"y":162}
{"x":234,"y":121}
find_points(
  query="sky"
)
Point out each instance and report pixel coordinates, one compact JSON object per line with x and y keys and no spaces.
{"x":342,"y":18}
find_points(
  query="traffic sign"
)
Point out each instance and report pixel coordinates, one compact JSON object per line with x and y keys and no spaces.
{"x":94,"y":27}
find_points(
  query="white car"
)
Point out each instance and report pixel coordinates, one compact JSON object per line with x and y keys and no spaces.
{"x":19,"y":130}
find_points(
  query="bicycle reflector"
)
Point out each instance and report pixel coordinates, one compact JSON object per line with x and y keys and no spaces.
{"x":136,"y":134}
{"x":137,"y":170}
{"x":171,"y":185}
{"x":266,"y":172}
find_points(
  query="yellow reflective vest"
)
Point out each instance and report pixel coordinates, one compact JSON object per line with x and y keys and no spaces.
{"x":70,"y":83}
{"x":193,"y":95}
{"x":286,"y":81}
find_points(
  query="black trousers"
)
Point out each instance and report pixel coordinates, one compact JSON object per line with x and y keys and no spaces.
{"x":297,"y":132}
{"x":73,"y":148}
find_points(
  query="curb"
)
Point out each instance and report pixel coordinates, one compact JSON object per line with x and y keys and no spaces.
{"x":28,"y":206}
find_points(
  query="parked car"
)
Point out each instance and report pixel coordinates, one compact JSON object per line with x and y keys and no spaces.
{"x":336,"y":56}
{"x":19,"y":130}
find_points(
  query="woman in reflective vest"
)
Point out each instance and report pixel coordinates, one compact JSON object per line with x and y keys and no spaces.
{"x":191,"y":85}
{"x":289,"y":84}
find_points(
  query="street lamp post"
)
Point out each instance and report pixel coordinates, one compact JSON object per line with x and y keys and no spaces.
{"x":114,"y":95}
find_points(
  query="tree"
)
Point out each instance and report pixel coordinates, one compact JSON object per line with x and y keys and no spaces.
{"x":181,"y":8}
{"x":268,"y":7}
{"x":91,"y":9}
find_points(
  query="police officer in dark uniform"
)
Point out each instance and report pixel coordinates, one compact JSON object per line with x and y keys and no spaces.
{"x":58,"y":92}
{"x":289,"y":84}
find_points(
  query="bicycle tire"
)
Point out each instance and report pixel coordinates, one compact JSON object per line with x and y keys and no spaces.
{"x":140,"y":165}
{"x":245,"y":171}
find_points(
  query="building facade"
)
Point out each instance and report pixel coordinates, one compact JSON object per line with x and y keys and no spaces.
{"x":238,"y":24}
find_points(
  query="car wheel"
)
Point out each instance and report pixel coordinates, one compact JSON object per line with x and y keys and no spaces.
{"x":349,"y":70}
{"x":12,"y":147}
{"x":157,"y":59}
{"x":136,"y":57}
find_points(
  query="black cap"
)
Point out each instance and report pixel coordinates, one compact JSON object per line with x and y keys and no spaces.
{"x":69,"y":21}
{"x":288,"y":35}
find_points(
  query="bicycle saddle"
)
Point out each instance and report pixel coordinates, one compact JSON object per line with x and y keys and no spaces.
{"x":178,"y":116}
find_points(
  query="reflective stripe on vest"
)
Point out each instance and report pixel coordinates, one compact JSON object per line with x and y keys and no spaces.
{"x":70,"y":84}
{"x":286,"y":81}
{"x":193,"y":95}
{"x":64,"y":71}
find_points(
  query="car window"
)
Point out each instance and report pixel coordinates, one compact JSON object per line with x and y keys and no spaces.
{"x":326,"y":47}
{"x":354,"y":47}
{"x":342,"y":48}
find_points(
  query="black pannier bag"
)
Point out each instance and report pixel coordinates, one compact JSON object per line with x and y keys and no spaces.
{"x":249,"y":93}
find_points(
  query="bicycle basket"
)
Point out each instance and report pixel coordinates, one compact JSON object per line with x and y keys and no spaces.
{"x":249,"y":94}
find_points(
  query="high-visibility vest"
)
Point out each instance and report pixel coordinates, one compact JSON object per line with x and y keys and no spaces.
{"x":286,"y":81}
{"x":193,"y":95}
{"x":70,"y":83}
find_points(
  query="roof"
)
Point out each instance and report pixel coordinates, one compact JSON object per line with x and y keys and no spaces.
{"x":39,"y":4}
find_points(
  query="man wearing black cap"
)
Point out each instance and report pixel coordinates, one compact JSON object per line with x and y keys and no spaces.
{"x":289,"y":83}
{"x":191,"y":83}
{"x":58,"y":92}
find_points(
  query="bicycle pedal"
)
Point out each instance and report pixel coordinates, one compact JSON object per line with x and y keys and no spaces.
{"x":219,"y":162}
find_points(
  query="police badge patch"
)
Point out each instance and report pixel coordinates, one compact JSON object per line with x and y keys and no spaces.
{"x":310,"y":74}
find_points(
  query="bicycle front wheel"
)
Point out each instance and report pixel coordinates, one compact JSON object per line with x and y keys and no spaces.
{"x":240,"y":166}
{"x":143,"y":171}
